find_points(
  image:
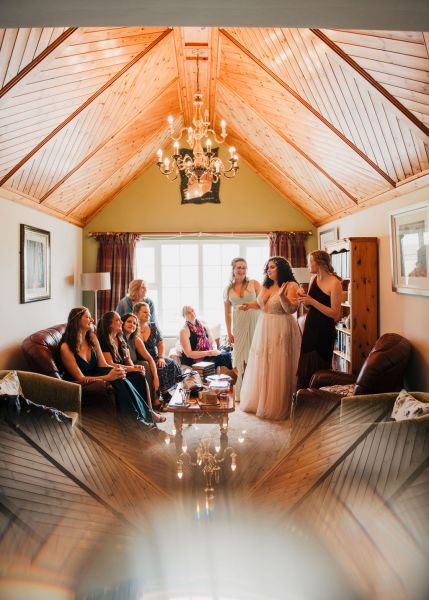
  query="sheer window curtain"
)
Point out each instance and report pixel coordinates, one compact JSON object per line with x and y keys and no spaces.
{"x":116,"y":254}
{"x":290,"y":245}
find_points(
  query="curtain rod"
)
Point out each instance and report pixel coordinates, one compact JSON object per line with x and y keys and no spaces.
{"x":199,"y":233}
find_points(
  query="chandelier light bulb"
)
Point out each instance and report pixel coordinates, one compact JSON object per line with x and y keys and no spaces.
{"x":159,"y":155}
{"x":176,"y":147}
{"x":217,"y":448}
{"x":223,"y":124}
{"x":167,"y":163}
{"x":180,"y":474}
{"x":231,"y":151}
{"x":209,"y":144}
{"x":170,"y":120}
{"x":184,"y":448}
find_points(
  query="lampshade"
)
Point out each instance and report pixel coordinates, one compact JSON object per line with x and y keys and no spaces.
{"x":302,"y":274}
{"x":95,"y":281}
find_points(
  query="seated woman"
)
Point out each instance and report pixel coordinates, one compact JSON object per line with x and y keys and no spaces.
{"x":168,"y":370}
{"x":140,"y":355}
{"x":83,"y":361}
{"x":198,"y":343}
{"x":115,"y":351}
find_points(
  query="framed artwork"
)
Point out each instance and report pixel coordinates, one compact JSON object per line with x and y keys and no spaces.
{"x":329,"y":235}
{"x":409,"y":249}
{"x":198,"y":192}
{"x":35,"y":264}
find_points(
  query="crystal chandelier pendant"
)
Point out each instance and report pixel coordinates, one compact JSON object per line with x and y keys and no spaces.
{"x":201,"y":164}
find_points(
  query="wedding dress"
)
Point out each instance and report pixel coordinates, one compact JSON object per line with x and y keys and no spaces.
{"x":270,"y":377}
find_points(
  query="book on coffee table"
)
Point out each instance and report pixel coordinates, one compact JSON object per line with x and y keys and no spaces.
{"x":204,"y":368}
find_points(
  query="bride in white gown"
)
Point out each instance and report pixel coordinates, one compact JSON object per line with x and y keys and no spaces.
{"x":270,"y":377}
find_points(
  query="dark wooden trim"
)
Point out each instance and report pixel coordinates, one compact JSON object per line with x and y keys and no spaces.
{"x":46,"y":52}
{"x":349,"y":60}
{"x":308,"y":106}
{"x":84,"y":105}
{"x":298,"y":149}
{"x":101,"y":145}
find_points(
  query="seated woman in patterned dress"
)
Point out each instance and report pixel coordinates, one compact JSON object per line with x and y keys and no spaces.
{"x":115,"y":351}
{"x":84,"y":362}
{"x":168,"y":369}
{"x":198,"y":344}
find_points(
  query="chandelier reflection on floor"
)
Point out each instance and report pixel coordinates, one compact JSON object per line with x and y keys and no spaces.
{"x":201,"y":163}
{"x":209,"y":462}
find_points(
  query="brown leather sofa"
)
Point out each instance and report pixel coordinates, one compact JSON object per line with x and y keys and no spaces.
{"x":383,"y":371}
{"x":41,"y":350}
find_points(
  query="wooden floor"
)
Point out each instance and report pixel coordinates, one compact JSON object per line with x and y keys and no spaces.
{"x":352,"y":480}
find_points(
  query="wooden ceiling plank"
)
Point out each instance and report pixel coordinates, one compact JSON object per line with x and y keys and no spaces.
{"x":36,"y":61}
{"x":153,"y":141}
{"x":106,"y":140}
{"x":338,"y":133}
{"x":365,"y":75}
{"x":409,"y":47}
{"x":297,"y":149}
{"x":185,"y":98}
{"x":6,"y":48}
{"x":214,"y":61}
{"x":83,"y":106}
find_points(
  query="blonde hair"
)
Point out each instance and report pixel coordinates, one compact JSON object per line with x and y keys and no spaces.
{"x":323,"y":259}
{"x":138,"y":306}
{"x":185,"y":308}
{"x":134,"y":289}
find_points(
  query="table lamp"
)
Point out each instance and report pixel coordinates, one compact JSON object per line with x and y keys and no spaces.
{"x":93,"y":282}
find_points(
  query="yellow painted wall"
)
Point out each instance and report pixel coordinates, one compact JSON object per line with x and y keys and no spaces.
{"x":152,"y":203}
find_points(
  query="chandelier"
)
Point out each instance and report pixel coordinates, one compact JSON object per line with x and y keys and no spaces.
{"x":202,"y":163}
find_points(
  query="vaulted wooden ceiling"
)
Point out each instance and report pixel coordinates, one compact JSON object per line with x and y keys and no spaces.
{"x":332,"y":119}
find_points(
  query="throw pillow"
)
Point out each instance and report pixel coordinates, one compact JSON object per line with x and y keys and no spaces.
{"x":340,"y":389}
{"x":10,"y":385}
{"x":408,"y":407}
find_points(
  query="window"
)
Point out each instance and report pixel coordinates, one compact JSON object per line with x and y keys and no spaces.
{"x":194,"y":272}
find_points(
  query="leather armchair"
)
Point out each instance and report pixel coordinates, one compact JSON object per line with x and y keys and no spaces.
{"x":383,"y":371}
{"x":41,"y":350}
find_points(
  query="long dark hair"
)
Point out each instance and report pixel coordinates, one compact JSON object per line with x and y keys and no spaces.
{"x":71,"y":333}
{"x":136,"y":333}
{"x":284,"y":272}
{"x":103,"y":333}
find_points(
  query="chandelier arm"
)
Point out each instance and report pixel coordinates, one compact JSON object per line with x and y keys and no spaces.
{"x":177,"y":139}
{"x":217,"y":140}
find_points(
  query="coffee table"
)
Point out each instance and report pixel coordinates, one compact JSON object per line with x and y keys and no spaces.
{"x":196,"y":413}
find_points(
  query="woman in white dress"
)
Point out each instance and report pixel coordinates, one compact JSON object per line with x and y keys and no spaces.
{"x":240,"y":325}
{"x":270,"y":377}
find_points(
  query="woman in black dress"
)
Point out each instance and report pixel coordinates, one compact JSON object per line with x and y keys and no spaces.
{"x":324,"y":303}
{"x":84,"y":362}
{"x":115,"y":351}
{"x":168,"y":370}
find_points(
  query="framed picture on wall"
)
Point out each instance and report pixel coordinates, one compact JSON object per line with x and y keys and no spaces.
{"x":328,"y":235}
{"x":409,"y":249}
{"x":35,"y":264}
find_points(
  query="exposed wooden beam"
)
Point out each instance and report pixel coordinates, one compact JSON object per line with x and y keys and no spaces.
{"x":87,"y":102}
{"x":103,"y":143}
{"x":283,"y":175}
{"x":308,"y":106}
{"x":356,"y":67}
{"x":20,"y":198}
{"x":44,"y":54}
{"x":289,"y":141}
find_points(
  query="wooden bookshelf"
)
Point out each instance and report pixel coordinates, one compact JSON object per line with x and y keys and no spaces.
{"x":356,"y":262}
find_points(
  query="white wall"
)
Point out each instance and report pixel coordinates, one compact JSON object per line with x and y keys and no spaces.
{"x":19,"y":320}
{"x":399,"y":313}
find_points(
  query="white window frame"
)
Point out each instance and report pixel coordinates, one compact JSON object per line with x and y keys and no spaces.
{"x":243,"y":241}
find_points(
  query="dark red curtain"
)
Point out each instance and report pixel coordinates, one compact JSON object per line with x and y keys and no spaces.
{"x":116,"y":253}
{"x":290,"y":245}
